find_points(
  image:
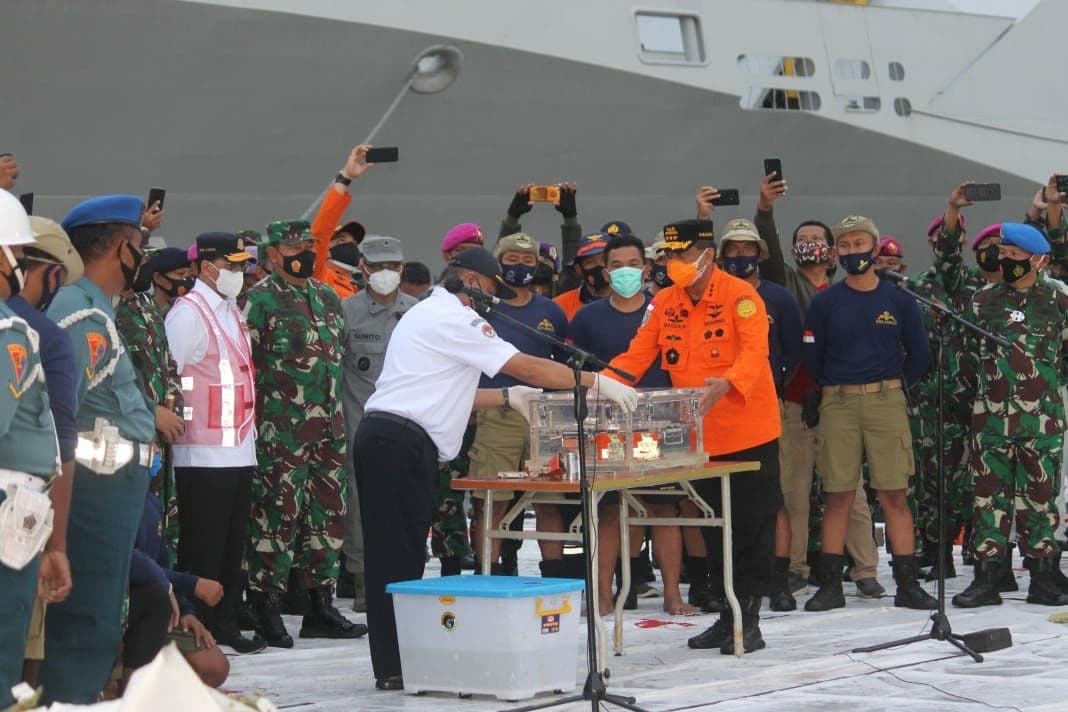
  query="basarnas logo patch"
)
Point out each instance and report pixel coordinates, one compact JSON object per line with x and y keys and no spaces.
{"x":886,"y":318}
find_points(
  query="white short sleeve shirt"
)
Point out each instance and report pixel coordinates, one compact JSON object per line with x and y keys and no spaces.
{"x":433,"y":363}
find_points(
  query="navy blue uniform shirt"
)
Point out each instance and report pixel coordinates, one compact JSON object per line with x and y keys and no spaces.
{"x":854,"y":337}
{"x":541,"y":313}
{"x":606,"y":332}
{"x":150,"y":564}
{"x":60,"y":368}
{"x":784,"y":331}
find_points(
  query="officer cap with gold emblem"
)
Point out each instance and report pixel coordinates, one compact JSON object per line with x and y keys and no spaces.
{"x":856,"y":223}
{"x":518,"y":242}
{"x":684,"y":234}
{"x":741,"y":230}
{"x":222,"y":246}
{"x":616,"y":227}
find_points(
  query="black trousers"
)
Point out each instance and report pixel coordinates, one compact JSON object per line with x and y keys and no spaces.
{"x":396,"y":475}
{"x":214,"y":506}
{"x":756,"y":498}
{"x":146,"y":626}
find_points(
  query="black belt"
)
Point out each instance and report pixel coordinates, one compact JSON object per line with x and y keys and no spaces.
{"x":400,"y":420}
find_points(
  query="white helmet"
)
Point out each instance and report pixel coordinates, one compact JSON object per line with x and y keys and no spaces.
{"x":14,"y":223}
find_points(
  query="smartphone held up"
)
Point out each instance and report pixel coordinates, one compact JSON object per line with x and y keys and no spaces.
{"x":544,"y":194}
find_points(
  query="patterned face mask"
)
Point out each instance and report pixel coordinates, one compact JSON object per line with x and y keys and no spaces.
{"x":811,"y":252}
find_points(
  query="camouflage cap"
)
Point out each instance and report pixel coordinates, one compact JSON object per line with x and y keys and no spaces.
{"x":250,"y":235}
{"x":289,"y":232}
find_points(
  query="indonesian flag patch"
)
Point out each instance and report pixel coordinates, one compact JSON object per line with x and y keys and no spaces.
{"x":809,"y":337}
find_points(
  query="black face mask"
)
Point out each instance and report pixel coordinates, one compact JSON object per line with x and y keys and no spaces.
{"x":300,"y":265}
{"x":48,"y":293}
{"x":130,"y":273}
{"x":143,"y":280}
{"x":598,"y":276}
{"x":178,"y":287}
{"x":14,"y":284}
{"x":988,"y":258}
{"x":658,"y":276}
{"x":346,"y":253}
{"x":1012,"y":271}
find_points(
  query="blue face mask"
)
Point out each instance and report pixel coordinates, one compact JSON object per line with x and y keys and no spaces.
{"x":626,"y":281}
{"x":740,"y":266}
{"x":517,"y":275}
{"x":857,"y":262}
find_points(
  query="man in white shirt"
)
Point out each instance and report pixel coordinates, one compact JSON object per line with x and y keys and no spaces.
{"x":416,"y":417}
{"x":215,"y":458}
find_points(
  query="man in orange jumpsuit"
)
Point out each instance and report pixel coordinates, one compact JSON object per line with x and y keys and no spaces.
{"x":710,"y":330}
{"x":328,"y":235}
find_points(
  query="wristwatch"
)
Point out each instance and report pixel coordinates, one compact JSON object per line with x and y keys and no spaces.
{"x":342,"y":179}
{"x":504,"y":392}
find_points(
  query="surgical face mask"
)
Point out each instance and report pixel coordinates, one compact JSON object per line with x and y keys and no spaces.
{"x":740,"y":266}
{"x":15,"y":278}
{"x":658,"y":275}
{"x":856,"y":262}
{"x":988,"y":258}
{"x":384,"y":281}
{"x":811,"y":252}
{"x":300,"y":265}
{"x":685,"y":273}
{"x":1013,"y":270}
{"x":626,"y":281}
{"x":517,"y":275}
{"x":228,"y":283}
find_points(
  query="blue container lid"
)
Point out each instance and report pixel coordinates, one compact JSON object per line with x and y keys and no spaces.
{"x":487,"y":586}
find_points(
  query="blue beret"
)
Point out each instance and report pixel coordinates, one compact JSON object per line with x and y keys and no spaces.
{"x":168,"y":259}
{"x":102,"y":209}
{"x":1026,"y":237}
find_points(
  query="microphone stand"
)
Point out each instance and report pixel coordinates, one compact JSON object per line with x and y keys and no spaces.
{"x":594,"y":689}
{"x":940,"y":627}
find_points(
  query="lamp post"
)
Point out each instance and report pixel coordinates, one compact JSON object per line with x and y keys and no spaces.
{"x":433,"y":70}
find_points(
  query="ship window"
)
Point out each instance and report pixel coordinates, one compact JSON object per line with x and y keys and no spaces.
{"x":768,"y":65}
{"x":670,"y":38}
{"x":860,"y":104}
{"x":779,"y":99}
{"x":902,"y":107}
{"x":897,"y":71}
{"x":852,"y":69}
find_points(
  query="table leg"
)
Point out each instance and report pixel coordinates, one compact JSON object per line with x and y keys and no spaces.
{"x":624,"y":558}
{"x":487,"y":523}
{"x":728,"y":566}
{"x":595,"y":502}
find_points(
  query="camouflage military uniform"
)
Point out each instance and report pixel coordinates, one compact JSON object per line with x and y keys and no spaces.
{"x":448,"y":532}
{"x":139,"y":321}
{"x":950,"y":283}
{"x":299,"y":490}
{"x":1019,"y":420}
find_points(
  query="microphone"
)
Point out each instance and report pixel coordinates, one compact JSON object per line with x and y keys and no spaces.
{"x":453,"y":285}
{"x":891,"y":275}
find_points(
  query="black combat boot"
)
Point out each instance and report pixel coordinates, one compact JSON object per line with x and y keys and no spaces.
{"x":705,"y":592}
{"x":324,"y":621}
{"x":295,"y":599}
{"x":909,"y":594}
{"x":718,"y":633}
{"x":1058,"y":576}
{"x":268,"y":607}
{"x":829,"y":575}
{"x":225,"y":628}
{"x":1008,"y":583}
{"x":246,"y":613}
{"x":1043,"y":589}
{"x":982,"y":591}
{"x":951,"y":570}
{"x":782,"y":599}
{"x":751,"y":637}
{"x":451,"y":565}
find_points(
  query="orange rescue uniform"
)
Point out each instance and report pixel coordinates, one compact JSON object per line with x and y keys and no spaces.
{"x":326,"y":220}
{"x":570,"y":302}
{"x":724,"y":335}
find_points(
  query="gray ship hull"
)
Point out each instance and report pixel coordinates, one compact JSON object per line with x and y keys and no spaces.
{"x":244,"y":115}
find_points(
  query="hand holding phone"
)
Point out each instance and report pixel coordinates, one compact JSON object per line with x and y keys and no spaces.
{"x":544,"y":194}
{"x":155,"y":198}
{"x":1062,"y":183}
{"x":727,"y":196}
{"x":982,"y":192}
{"x":773,"y":165}
{"x":385,"y":154}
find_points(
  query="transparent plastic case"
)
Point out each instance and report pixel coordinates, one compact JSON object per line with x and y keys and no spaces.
{"x":663,"y":431}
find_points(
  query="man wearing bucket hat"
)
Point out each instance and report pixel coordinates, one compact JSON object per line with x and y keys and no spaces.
{"x":370,"y":317}
{"x":741,"y":251}
{"x":31,"y":460}
{"x":299,"y":490}
{"x":114,"y":451}
{"x":855,"y":334}
{"x":1018,"y":421}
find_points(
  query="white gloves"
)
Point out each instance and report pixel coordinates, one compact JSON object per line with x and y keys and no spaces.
{"x":519,"y":398}
{"x":625,"y":396}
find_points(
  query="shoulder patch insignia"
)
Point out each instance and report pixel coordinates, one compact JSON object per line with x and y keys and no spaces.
{"x":886,"y":319}
{"x":746,"y":308}
{"x":488,"y":331}
{"x":19,"y":358}
{"x":98,"y":346}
